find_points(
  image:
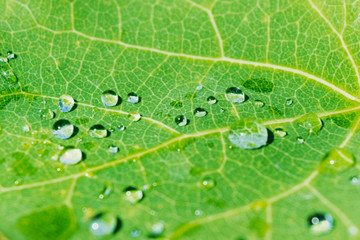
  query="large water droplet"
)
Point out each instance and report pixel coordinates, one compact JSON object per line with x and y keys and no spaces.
{"x":133,"y":98}
{"x":200,"y":112}
{"x":134,"y":116}
{"x":311,"y":122}
{"x":46,"y":114}
{"x":208,"y":183}
{"x":98,"y":131}
{"x":8,"y":74}
{"x":70,"y":156}
{"x":248,"y":134}
{"x":109,"y":98}
{"x":234,"y":95}
{"x":133,"y":195}
{"x":113,"y":149}
{"x":181,"y":120}
{"x":280,"y":132}
{"x":108,"y":188}
{"x":104,"y":224}
{"x":320,"y":223}
{"x":66,"y":103}
{"x":63,"y":129}
{"x":211,"y":100}
{"x":336,"y":160}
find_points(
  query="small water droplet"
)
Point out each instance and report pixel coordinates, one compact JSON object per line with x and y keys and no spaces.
{"x":8,"y":74}
{"x":98,"y":131}
{"x":355,"y":180}
{"x":181,"y":120}
{"x":289,"y":102}
{"x":46,"y":114}
{"x":311,"y":122}
{"x":26,"y":128}
{"x":208,"y":183}
{"x":200,"y":112}
{"x":198,"y":212}
{"x":199,"y":87}
{"x":3,"y":59}
{"x":103,"y":224}
{"x":157,"y":229}
{"x":66,"y":103}
{"x":320,"y":223}
{"x":109,"y":98}
{"x":134,"y":116}
{"x":280,"y":132}
{"x":336,"y":160}
{"x":135,"y":233}
{"x":300,"y":140}
{"x":18,"y":182}
{"x":113,"y":149}
{"x":133,"y":195}
{"x":111,"y":129}
{"x":248,"y":134}
{"x":234,"y":95}
{"x":108,"y":188}
{"x":10,"y":55}
{"x":259,"y":103}
{"x":121,"y":127}
{"x":211,"y":100}
{"x":133,"y":98}
{"x":63,"y":129}
{"x":70,"y":156}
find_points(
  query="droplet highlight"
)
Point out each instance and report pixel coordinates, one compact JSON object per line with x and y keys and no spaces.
{"x":320,"y":223}
{"x":107,"y":190}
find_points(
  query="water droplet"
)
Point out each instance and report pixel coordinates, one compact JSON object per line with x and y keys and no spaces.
{"x":111,"y":129}
{"x":3,"y":59}
{"x":289,"y":102}
{"x":311,"y":122}
{"x":355,"y":180}
{"x":280,"y":132}
{"x":248,"y":134}
{"x":70,"y":156}
{"x":108,"y":188}
{"x":8,"y":74}
{"x":259,"y":103}
{"x":211,"y":100}
{"x":133,"y":195}
{"x":63,"y":129}
{"x":10,"y":55}
{"x":336,"y":160}
{"x":18,"y":182}
{"x":134,"y":116}
{"x":135,"y":233}
{"x":300,"y":140}
{"x":198,"y":212}
{"x":133,"y":98}
{"x":320,"y":223}
{"x":199,"y":87}
{"x":121,"y":127}
{"x":26,"y":128}
{"x":109,"y":98}
{"x":98,"y":131}
{"x":66,"y":103}
{"x":181,"y":120}
{"x":234,"y":95}
{"x":46,"y":114}
{"x":200,"y":112}
{"x":157,"y":229}
{"x":104,"y":224}
{"x":208,"y":183}
{"x":113,"y":149}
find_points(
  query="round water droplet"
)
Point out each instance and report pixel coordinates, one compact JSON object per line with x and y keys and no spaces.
{"x":104,"y":224}
{"x":181,"y":120}
{"x":121,"y":127}
{"x":70,"y":156}
{"x":289,"y":102}
{"x":336,"y":160}
{"x":66,"y":103}
{"x":198,"y":212}
{"x":133,"y":195}
{"x":63,"y":129}
{"x":157,"y":229}
{"x":46,"y":114}
{"x":300,"y":140}
{"x":355,"y":180}
{"x":200,"y":112}
{"x":10,"y":55}
{"x":199,"y":87}
{"x":108,"y":188}
{"x":211,"y":100}
{"x":320,"y":223}
{"x":311,"y":122}
{"x":8,"y":74}
{"x":234,"y":95}
{"x":248,"y":134}
{"x":259,"y":103}
{"x":280,"y":132}
{"x":134,"y":116}
{"x":3,"y":59}
{"x":26,"y":128}
{"x":18,"y":182}
{"x":109,"y":98}
{"x":135,"y":233}
{"x":208,"y":183}
{"x":113,"y":149}
{"x":98,"y":131}
{"x":133,"y":98}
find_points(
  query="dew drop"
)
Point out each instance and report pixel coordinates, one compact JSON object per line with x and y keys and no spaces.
{"x":320,"y":223}
{"x":134,"y":116}
{"x":133,"y":195}
{"x":135,"y":233}
{"x":10,"y":55}
{"x":157,"y":229}
{"x":66,"y":103}
{"x":311,"y":122}
{"x":113,"y":149}
{"x":46,"y":114}
{"x":3,"y":59}
{"x":181,"y":120}
{"x":300,"y":140}
{"x":103,"y":224}
{"x":8,"y":74}
{"x":198,"y":212}
{"x":109,"y":98}
{"x":336,"y":160}
{"x":200,"y":112}
{"x":234,"y":95}
{"x":248,"y":134}
{"x":211,"y":100}
{"x":63,"y":129}
{"x":133,"y":98}
{"x":98,"y":131}
{"x":108,"y":188}
{"x":355,"y":180}
{"x":280,"y":132}
{"x":26,"y":128}
{"x":259,"y":103}
{"x":121,"y":127}
{"x":289,"y":102}
{"x":208,"y":183}
{"x":70,"y":156}
{"x":199,"y":87}
{"x":18,"y":182}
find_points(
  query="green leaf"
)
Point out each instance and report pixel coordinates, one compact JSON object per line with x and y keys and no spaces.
{"x":153,"y":178}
